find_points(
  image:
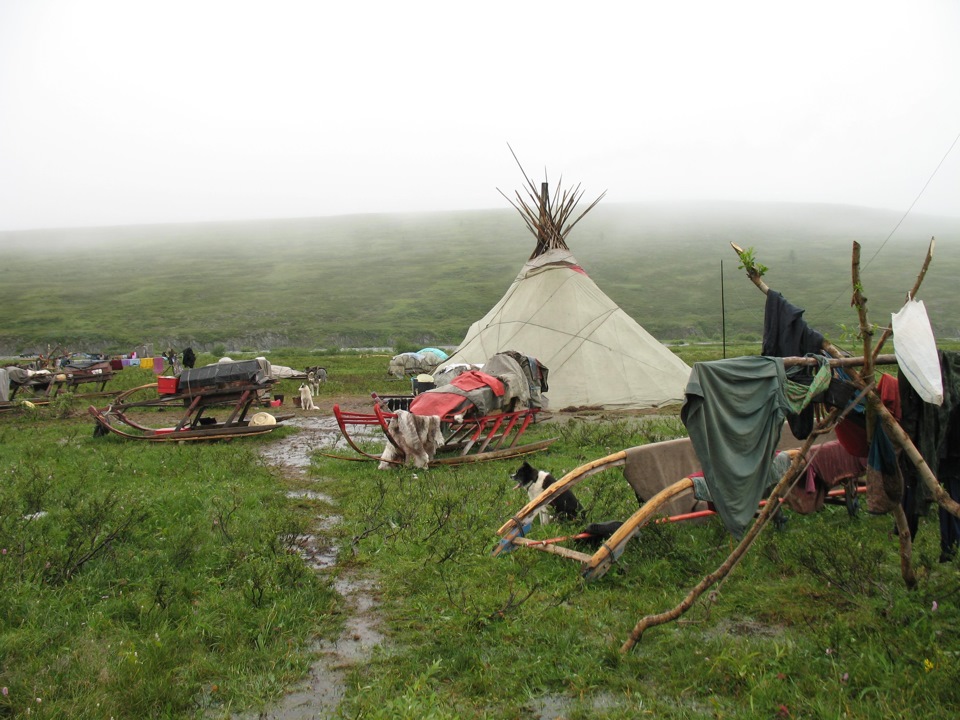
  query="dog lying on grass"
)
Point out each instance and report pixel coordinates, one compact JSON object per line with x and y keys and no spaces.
{"x":566,"y":506}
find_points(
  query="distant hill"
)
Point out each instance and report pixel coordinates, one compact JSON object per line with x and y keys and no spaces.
{"x":388,"y":280}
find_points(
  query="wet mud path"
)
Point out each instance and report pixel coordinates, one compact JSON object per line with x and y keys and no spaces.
{"x":320,"y":693}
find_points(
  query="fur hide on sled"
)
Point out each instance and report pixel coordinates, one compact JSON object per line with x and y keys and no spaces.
{"x":418,"y":436}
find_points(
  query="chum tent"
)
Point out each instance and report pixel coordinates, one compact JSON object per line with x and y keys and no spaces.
{"x":597,"y":355}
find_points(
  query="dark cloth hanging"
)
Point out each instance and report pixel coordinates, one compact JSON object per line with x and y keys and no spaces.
{"x":949,"y":524}
{"x":189,"y":358}
{"x":935,"y":431}
{"x":786,"y":334}
{"x":734,"y":411}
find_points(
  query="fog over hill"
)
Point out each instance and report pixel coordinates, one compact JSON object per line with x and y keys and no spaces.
{"x":401,"y":279}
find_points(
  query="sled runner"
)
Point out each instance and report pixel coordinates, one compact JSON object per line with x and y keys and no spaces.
{"x":233,"y":386}
{"x":478,"y":415}
{"x":465,"y":440}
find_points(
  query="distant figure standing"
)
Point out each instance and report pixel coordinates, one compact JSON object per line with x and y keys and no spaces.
{"x":189,"y":358}
{"x":173,"y":361}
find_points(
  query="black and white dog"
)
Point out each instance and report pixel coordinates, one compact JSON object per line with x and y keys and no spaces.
{"x":534,"y":481}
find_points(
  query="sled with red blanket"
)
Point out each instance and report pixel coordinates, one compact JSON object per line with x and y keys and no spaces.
{"x":479,"y":415}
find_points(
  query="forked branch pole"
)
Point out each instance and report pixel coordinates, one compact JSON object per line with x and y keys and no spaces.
{"x":895,"y":432}
{"x":773,"y":504}
{"x":866,"y":330}
{"x":888,"y":331}
{"x":867,"y":390}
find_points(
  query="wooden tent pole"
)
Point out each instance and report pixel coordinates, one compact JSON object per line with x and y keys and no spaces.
{"x":866,"y":330}
{"x":859,"y":301}
{"x":543,"y":231}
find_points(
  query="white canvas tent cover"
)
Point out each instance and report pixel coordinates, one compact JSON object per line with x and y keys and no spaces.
{"x":597,"y":354}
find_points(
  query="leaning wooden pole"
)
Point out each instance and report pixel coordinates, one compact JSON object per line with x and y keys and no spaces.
{"x":888,"y":331}
{"x":796,"y":465}
{"x":895,"y":432}
{"x":866,"y":330}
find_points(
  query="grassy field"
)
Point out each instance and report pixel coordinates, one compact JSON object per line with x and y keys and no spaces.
{"x":410,"y":281}
{"x":168,"y":582}
{"x":143,"y":581}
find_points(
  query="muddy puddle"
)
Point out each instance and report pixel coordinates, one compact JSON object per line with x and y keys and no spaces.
{"x":315,"y":433}
{"x":320,"y":693}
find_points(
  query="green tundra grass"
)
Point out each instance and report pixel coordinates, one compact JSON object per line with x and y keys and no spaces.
{"x":162,"y":581}
{"x":419,"y":280}
{"x":165,"y":581}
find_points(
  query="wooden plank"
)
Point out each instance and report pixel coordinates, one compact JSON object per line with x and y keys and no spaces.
{"x":553,"y":549}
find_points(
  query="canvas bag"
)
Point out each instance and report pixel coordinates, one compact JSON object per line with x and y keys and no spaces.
{"x":916,"y":351}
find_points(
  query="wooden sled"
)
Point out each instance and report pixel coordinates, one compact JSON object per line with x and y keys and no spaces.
{"x":513,"y":532}
{"x":44,"y":387}
{"x":466,"y":440}
{"x":644,"y":467}
{"x":235,"y":393}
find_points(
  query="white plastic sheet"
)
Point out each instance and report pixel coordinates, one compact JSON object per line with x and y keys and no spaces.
{"x":916,"y":351}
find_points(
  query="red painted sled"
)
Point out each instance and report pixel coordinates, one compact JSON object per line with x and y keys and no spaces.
{"x":477,"y":416}
{"x":466,"y":440}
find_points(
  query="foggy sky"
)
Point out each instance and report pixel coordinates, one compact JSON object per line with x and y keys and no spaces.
{"x":116,"y":112}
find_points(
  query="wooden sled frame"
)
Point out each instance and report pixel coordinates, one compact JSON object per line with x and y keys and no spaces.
{"x":49,"y":387}
{"x":42,"y":393}
{"x":238,"y":396}
{"x":490,"y":437}
{"x":513,"y":532}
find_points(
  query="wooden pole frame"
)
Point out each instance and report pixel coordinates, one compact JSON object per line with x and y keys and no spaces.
{"x":868,"y":392}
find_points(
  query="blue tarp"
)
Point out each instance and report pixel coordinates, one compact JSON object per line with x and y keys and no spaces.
{"x":439,"y":353}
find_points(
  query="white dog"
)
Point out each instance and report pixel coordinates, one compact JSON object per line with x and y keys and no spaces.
{"x":306,"y":398}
